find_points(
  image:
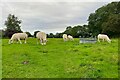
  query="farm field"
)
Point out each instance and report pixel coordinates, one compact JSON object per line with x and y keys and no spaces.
{"x":59,"y":59}
{"x":0,"y":59}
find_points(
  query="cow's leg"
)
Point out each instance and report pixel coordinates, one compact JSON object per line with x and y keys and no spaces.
{"x":44,"y":42}
{"x":98,"y":40}
{"x":103,"y":40}
{"x":12,"y":41}
{"x":9,"y":41}
{"x":19,"y":40}
{"x":66,"y":39}
{"x":25,"y":40}
{"x":41,"y":41}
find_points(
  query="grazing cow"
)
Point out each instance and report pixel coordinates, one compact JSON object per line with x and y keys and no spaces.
{"x":42,"y":37}
{"x":70,"y":37}
{"x":103,"y":37}
{"x":65,"y":38}
{"x":18,"y":37}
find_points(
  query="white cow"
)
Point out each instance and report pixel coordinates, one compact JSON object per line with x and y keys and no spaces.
{"x":42,"y":37}
{"x":70,"y":37}
{"x":103,"y":37}
{"x":65,"y":38}
{"x":18,"y":37}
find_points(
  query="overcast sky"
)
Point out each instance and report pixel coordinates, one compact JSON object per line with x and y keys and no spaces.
{"x":49,"y":16}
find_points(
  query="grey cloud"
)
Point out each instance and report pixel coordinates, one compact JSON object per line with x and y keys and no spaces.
{"x":50,"y":16}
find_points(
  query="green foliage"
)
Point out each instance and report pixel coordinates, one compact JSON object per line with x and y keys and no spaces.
{"x":77,"y":31}
{"x":58,"y":35}
{"x":51,"y":35}
{"x":106,"y":20}
{"x":13,"y":25}
{"x":29,"y":34}
{"x":2,"y":33}
{"x":35,"y":33}
{"x":112,"y":25}
{"x":59,"y":59}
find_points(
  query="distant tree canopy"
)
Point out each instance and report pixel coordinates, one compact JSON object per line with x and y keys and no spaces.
{"x":58,"y":35}
{"x":2,"y":34}
{"x":29,"y":34}
{"x":35,"y":33}
{"x":106,"y":20}
{"x":51,"y":35}
{"x":77,"y":31}
{"x":13,"y":25}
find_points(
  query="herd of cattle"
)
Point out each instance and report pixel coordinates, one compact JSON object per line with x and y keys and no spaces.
{"x":42,"y":37}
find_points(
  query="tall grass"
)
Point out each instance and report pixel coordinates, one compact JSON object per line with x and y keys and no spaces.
{"x":59,"y":59}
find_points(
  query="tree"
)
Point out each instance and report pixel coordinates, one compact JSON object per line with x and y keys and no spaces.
{"x":57,"y":35}
{"x":13,"y":25}
{"x":106,"y":20}
{"x":51,"y":35}
{"x":35,"y":33}
{"x":68,"y":30}
{"x":112,"y":25}
{"x":77,"y":31}
{"x":2,"y":33}
{"x":28,"y":33}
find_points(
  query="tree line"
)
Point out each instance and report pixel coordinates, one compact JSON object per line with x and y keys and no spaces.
{"x":106,"y":20}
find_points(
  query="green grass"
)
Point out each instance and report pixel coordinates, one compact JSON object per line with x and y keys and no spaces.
{"x":0,"y":59}
{"x":59,"y":59}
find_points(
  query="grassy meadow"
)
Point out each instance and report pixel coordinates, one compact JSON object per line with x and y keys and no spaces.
{"x":59,"y":59}
{"x":0,"y":59}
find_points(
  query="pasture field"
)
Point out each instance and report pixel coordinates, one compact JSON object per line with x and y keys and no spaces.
{"x":59,"y":59}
